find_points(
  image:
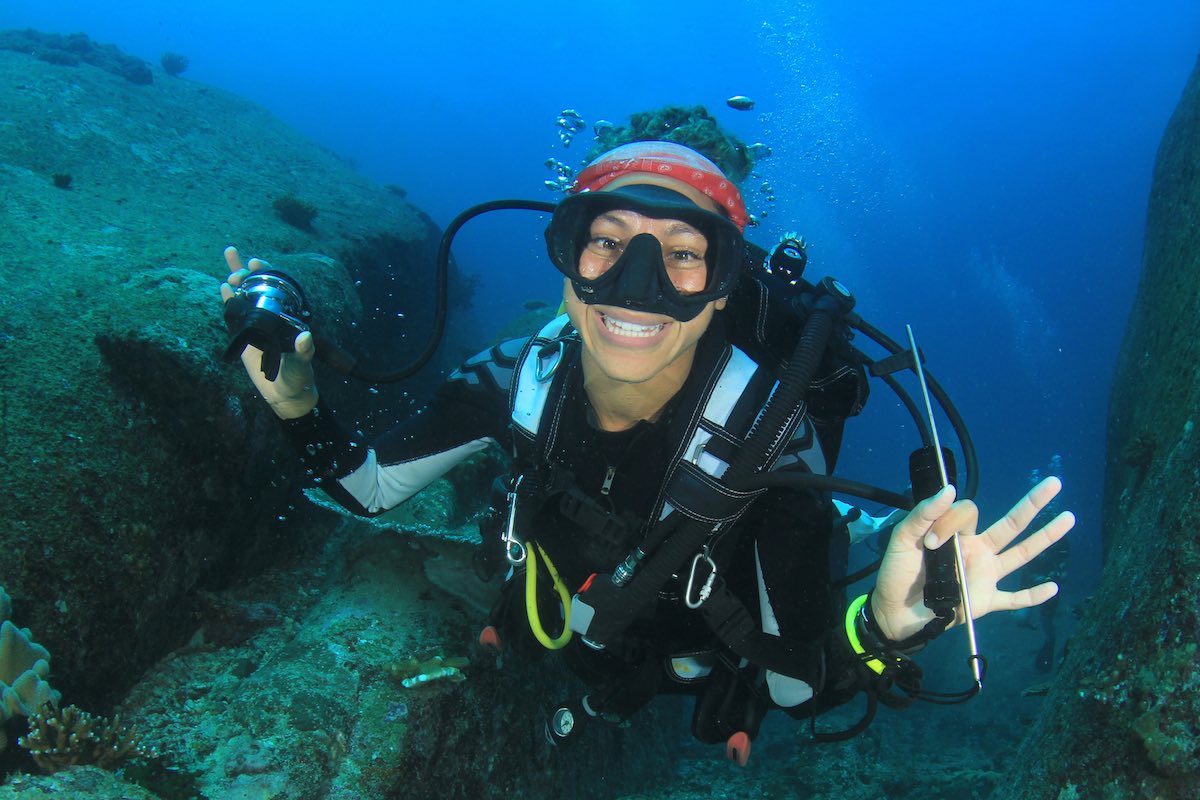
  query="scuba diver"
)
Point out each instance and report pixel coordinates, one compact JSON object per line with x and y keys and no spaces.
{"x":1052,"y":566}
{"x":637,"y":530}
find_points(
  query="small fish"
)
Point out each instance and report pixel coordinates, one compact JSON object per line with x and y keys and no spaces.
{"x":740,"y":102}
{"x":534,"y":305}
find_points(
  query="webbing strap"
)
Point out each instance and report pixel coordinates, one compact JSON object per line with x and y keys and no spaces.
{"x":740,"y":631}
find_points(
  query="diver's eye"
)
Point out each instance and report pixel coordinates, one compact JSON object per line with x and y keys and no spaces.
{"x":604,"y":246}
{"x":685,"y":258}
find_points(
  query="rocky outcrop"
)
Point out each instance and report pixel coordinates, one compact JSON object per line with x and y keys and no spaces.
{"x":1121,"y":720}
{"x":314,"y":705}
{"x":138,"y":467}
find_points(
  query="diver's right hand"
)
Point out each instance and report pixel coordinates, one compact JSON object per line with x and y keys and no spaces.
{"x":293,"y":393}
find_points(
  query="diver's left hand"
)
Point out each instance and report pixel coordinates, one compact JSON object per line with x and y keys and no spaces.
{"x":898,"y":600}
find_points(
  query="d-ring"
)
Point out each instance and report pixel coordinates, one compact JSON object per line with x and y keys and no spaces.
{"x":544,"y":375}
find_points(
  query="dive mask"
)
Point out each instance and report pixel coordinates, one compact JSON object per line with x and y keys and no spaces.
{"x":639,"y":279}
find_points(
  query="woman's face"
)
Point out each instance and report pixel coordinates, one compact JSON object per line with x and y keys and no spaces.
{"x":630,"y":346}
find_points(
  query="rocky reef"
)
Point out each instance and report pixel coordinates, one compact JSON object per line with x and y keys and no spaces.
{"x":76,"y":48}
{"x":1121,"y":721}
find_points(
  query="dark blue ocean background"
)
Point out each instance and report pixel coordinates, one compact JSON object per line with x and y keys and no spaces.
{"x":979,"y":170}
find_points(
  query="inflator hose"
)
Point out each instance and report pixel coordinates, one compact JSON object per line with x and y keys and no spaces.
{"x":347,"y":364}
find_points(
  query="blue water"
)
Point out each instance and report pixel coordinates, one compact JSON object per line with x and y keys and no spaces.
{"x":980,"y":170}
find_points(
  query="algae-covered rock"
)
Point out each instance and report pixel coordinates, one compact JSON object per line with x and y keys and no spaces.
{"x":78,"y":783}
{"x":331,"y":703}
{"x":138,"y":466}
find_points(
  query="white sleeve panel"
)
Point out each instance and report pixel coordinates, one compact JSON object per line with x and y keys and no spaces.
{"x":787,"y":692}
{"x":379,"y":488}
{"x":863,"y":525}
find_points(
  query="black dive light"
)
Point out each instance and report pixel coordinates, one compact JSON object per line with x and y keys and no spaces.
{"x":268,"y":311}
{"x":941,"y":578}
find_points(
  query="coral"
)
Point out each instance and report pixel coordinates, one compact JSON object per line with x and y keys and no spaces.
{"x":1164,"y":691}
{"x":1138,"y":452}
{"x":415,"y":672}
{"x":62,"y":180}
{"x":1169,"y":744}
{"x":174,"y":63}
{"x":1069,"y":792}
{"x":60,"y":738}
{"x":24,"y":667}
{"x":693,"y":127}
{"x":1155,"y":699}
{"x":295,"y":212}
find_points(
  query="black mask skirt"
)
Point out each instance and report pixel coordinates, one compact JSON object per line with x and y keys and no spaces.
{"x":639,"y":279}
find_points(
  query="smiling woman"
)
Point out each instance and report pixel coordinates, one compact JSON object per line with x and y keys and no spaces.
{"x":650,"y":246}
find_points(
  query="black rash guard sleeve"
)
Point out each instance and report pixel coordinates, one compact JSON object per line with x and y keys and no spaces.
{"x":469,"y":413}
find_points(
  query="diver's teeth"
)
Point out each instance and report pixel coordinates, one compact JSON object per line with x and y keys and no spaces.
{"x":632,"y":329}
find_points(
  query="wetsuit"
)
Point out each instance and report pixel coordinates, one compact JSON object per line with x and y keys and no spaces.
{"x":781,"y":571}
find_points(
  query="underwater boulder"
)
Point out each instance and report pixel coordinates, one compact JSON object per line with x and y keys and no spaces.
{"x":140,"y":468}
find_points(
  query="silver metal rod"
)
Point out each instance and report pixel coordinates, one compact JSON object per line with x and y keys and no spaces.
{"x":959,"y":565}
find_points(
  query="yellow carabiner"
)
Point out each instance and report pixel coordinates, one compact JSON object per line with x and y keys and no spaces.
{"x":535,"y":622}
